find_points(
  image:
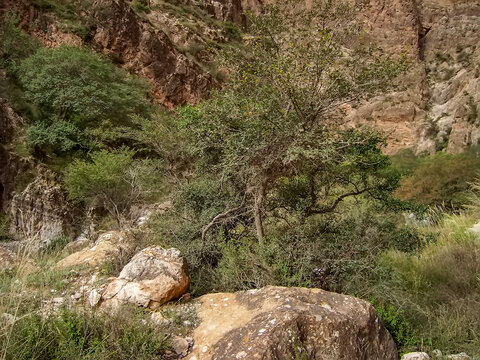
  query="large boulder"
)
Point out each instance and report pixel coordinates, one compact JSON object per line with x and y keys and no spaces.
{"x":109,"y":246}
{"x":289,"y":323}
{"x":153,"y":277}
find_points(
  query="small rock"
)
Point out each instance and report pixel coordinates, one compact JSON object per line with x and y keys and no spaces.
{"x":158,"y":319}
{"x":461,"y":356}
{"x":437,"y":353}
{"x":475,"y":228}
{"x":180,"y":346}
{"x":58,"y":300}
{"x":94,"y":298}
{"x":187,"y":323}
{"x":416,"y":356}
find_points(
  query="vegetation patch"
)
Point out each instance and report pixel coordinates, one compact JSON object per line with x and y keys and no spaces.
{"x":441,"y":180}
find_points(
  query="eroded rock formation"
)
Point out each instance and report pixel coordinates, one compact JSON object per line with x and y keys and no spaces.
{"x":10,"y":164}
{"x":438,"y":107}
{"x":149,"y":52}
{"x":41,"y":213}
{"x":436,"y":110}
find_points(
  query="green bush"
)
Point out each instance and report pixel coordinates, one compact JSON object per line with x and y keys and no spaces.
{"x":395,"y":321}
{"x":335,"y":253}
{"x":14,"y":44}
{"x":78,"y":91}
{"x":113,"y":180}
{"x":438,"y":180}
{"x":62,"y":136}
{"x":140,"y":6}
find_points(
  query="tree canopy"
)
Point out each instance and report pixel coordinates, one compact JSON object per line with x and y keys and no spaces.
{"x":278,"y":130}
{"x":112,"y":180}
{"x":79,"y":91}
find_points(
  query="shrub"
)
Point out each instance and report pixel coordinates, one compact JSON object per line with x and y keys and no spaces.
{"x":438,"y":180}
{"x":395,"y":321}
{"x":113,"y":180}
{"x":335,"y":253}
{"x":140,"y":6}
{"x":232,"y":31}
{"x":437,"y":291}
{"x":61,"y":136}
{"x":14,"y":44}
{"x":78,"y":91}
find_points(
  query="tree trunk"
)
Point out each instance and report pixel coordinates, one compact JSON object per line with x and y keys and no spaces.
{"x":258,"y":210}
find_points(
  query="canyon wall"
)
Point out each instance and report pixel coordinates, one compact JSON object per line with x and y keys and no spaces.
{"x":435,"y":108}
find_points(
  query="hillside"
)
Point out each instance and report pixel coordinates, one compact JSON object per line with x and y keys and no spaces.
{"x":310,"y":168}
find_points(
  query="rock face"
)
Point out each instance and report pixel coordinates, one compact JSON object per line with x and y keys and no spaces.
{"x":148,"y":51}
{"x":289,"y":323}
{"x":153,"y":277}
{"x":439,"y":105}
{"x":450,"y":52}
{"x":10,"y":164}
{"x":41,"y":213}
{"x":437,"y":109}
{"x":225,"y":10}
{"x":108,"y":246}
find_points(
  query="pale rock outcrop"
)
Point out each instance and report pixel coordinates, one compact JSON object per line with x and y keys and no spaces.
{"x":225,"y":10}
{"x":108,"y":246}
{"x":461,"y":356}
{"x":287,"y":323}
{"x":41,"y":213}
{"x":153,"y":277}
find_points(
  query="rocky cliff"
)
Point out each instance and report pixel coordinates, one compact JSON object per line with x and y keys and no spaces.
{"x":438,"y":108}
{"x":437,"y":105}
{"x":41,"y":212}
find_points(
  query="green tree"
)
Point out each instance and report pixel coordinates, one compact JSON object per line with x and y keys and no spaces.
{"x":113,"y":180}
{"x":76,"y":86}
{"x":14,"y":44}
{"x":279,"y":125}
